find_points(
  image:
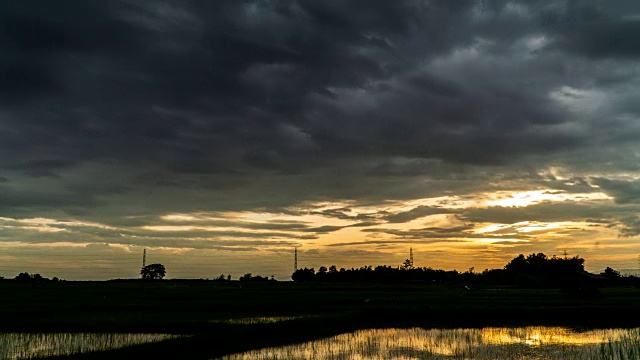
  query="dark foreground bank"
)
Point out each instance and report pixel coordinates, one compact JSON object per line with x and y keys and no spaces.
{"x":215,"y":313}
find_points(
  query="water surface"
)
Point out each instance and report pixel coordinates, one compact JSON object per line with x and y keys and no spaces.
{"x":525,"y":343}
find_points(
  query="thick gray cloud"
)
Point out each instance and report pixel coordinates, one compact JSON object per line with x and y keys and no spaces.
{"x":624,"y":191}
{"x":194,"y":94}
{"x":543,"y":212}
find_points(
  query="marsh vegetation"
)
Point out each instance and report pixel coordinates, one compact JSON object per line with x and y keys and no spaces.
{"x":39,"y":345}
{"x":525,"y":343}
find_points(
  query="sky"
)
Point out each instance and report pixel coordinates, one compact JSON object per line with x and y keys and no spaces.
{"x":221,"y":135}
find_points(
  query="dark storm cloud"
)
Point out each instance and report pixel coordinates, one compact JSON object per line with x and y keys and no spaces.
{"x":543,"y":212}
{"x":40,"y":168}
{"x":136,"y":106}
{"x":623,"y":191}
{"x":626,"y":194}
{"x":630,"y":225}
{"x":590,"y":28}
{"x":185,"y":86}
{"x":25,"y":203}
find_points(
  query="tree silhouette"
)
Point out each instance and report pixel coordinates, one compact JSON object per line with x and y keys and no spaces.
{"x":610,"y":273}
{"x":23,"y":277}
{"x":254,"y":278}
{"x":407,"y":264}
{"x":246,"y":277}
{"x":305,"y":274}
{"x":153,"y":271}
{"x":517,"y":265}
{"x":533,"y":271}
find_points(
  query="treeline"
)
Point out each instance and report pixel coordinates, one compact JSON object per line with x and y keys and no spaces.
{"x":25,"y":277}
{"x":535,"y":270}
{"x":381,"y":273}
{"x":256,"y":278}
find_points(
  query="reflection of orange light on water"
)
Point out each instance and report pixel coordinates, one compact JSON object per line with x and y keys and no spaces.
{"x":480,"y":344}
{"x":540,"y":336}
{"x":534,"y":340}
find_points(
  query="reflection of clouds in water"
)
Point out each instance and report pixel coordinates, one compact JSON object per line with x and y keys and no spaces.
{"x":534,"y":342}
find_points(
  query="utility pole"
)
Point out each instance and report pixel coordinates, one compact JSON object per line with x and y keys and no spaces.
{"x":411,"y":256}
{"x":295,"y":259}
{"x":144,"y":257}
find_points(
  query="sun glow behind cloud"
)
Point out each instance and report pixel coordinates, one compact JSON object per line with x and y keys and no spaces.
{"x":526,"y":198}
{"x":323,"y":229}
{"x":530,"y":227}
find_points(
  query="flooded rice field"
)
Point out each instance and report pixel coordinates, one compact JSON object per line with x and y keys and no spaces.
{"x":525,"y":343}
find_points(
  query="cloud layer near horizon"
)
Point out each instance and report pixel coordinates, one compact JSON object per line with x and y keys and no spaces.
{"x":270,"y":124}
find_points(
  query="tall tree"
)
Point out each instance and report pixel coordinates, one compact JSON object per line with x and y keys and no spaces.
{"x":153,"y":271}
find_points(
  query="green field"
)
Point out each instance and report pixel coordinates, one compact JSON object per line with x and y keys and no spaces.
{"x":227,"y":317}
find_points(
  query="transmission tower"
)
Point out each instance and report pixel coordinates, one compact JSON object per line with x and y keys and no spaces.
{"x":295,"y":259}
{"x":411,"y":256}
{"x":144,"y":257}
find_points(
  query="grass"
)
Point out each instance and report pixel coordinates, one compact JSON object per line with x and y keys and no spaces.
{"x":40,"y":345}
{"x":441,"y":344}
{"x":219,"y":314}
{"x":525,"y":343}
